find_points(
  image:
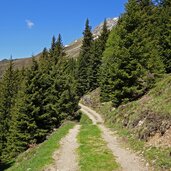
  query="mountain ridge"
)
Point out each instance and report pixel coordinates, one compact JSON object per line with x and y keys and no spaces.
{"x":72,"y":50}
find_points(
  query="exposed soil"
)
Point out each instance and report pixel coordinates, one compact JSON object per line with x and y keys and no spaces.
{"x":128,"y":160}
{"x":161,"y":141}
{"x":66,"y":157}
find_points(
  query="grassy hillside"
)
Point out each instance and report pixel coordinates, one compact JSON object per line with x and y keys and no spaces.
{"x":72,"y":51}
{"x":18,"y":64}
{"x":144,"y":124}
{"x":149,"y":115}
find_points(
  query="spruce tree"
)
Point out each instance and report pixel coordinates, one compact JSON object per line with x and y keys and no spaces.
{"x":56,"y":50}
{"x":20,"y":135}
{"x":84,"y":62}
{"x":45,"y":62}
{"x":96,"y":57}
{"x":9,"y":89}
{"x":53,"y":44}
{"x":132,"y":60}
{"x":39,"y":124}
{"x":59,"y":49}
{"x":165,"y":33}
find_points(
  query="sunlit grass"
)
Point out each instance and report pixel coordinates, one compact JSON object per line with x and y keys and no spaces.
{"x":37,"y":158}
{"x":93,"y":151}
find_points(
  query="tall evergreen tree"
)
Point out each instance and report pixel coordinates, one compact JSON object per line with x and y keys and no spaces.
{"x":53,"y":44}
{"x":165,"y":33}
{"x":45,"y":62}
{"x":39,"y":124}
{"x":9,"y":88}
{"x":132,"y":58}
{"x":59,"y":49}
{"x":96,"y":57}
{"x":84,"y":61}
{"x":63,"y":102}
{"x":19,"y":132}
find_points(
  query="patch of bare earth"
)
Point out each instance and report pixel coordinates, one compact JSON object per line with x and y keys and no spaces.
{"x":128,"y":160}
{"x":66,"y":157}
{"x":159,"y":140}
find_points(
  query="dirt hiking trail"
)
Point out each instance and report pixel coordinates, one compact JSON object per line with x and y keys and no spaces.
{"x":66,"y":158}
{"x":128,"y":160}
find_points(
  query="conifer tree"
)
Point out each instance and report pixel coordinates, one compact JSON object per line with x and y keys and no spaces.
{"x":59,"y":49}
{"x":56,"y":50}
{"x":165,"y":33}
{"x":84,"y":61}
{"x":9,"y":88}
{"x":19,"y":132}
{"x":132,"y":60}
{"x":34,"y":105}
{"x":45,"y":62}
{"x":96,"y":57}
{"x":53,"y":44}
{"x":63,"y":101}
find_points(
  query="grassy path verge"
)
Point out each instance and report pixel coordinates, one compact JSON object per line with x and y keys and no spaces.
{"x":37,"y":158}
{"x":159,"y":158}
{"x":93,"y":151}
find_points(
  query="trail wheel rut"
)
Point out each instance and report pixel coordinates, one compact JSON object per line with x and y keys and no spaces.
{"x":128,"y":160}
{"x":66,"y":157}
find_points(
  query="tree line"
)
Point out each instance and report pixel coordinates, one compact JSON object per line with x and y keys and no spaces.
{"x":35,"y":101}
{"x":138,"y":51}
{"x":127,"y":61}
{"x":124,"y":62}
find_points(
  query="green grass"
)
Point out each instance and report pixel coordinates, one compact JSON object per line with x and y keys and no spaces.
{"x":159,"y":158}
{"x":93,"y":151}
{"x":37,"y":158}
{"x":153,"y":109}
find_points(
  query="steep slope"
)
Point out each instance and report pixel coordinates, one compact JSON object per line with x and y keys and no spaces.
{"x":146,"y":117}
{"x":144,"y":125}
{"x":150,"y":115}
{"x":72,"y":50}
{"x":18,"y":64}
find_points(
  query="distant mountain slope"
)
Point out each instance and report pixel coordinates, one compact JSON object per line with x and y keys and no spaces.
{"x":18,"y":63}
{"x":72,"y":50}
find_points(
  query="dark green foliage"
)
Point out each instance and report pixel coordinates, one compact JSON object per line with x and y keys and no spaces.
{"x":103,"y":37}
{"x":35,"y":101}
{"x":84,"y":73}
{"x":63,"y":98}
{"x":165,"y":33}
{"x":53,"y":44}
{"x":57,"y":49}
{"x":39,"y":122}
{"x":9,"y":88}
{"x":19,"y":135}
{"x":45,"y":62}
{"x":132,"y":59}
{"x":97,"y":51}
